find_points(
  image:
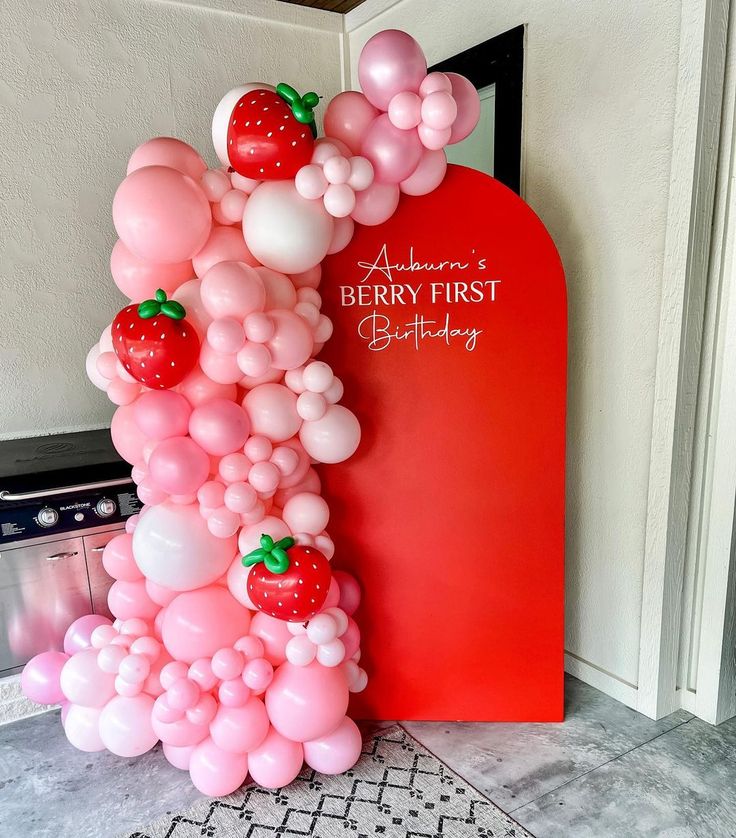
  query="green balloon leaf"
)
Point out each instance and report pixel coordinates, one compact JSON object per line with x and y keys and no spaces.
{"x":272,"y":554}
{"x":173,"y":310}
{"x":160,"y":305}
{"x":148,"y":309}
{"x":301,"y":106}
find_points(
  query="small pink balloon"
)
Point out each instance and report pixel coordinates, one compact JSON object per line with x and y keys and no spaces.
{"x":40,"y":678}
{"x":162,"y":413}
{"x":83,"y":682}
{"x":122,"y":392}
{"x":118,"y":561}
{"x":232,"y":289}
{"x":216,"y":772}
{"x":428,"y":175}
{"x":179,"y":465}
{"x":201,"y":672}
{"x":161,"y":214}
{"x":306,"y":512}
{"x":227,"y":663}
{"x":376,"y":204}
{"x":405,"y":110}
{"x":233,"y":468}
{"x":434,"y":82}
{"x":258,"y":448}
{"x":220,"y":427}
{"x":183,"y":694}
{"x":198,"y":388}
{"x":79,"y":634}
{"x":433,"y":138}
{"x":107,"y":364}
{"x":276,"y":762}
{"x":351,"y":638}
{"x":333,"y":438}
{"x":391,"y":61}
{"x":149,"y":493}
{"x":215,"y":184}
{"x":110,"y":657}
{"x":178,"y":757}
{"x":312,"y":277}
{"x":258,"y":673}
{"x":291,"y":343}
{"x":232,"y":205}
{"x":439,"y":110}
{"x":310,"y":181}
{"x":259,"y":327}
{"x":240,"y":497}
{"x":218,"y":367}
{"x":347,"y":118}
{"x":82,"y":728}
{"x":468,"y":107}
{"x":339,"y":200}
{"x":134,"y":669}
{"x":250,"y":537}
{"x":393,"y":153}
{"x":130,"y":599}
{"x":240,"y":729}
{"x":203,"y":711}
{"x":179,"y":732}
{"x":211,"y":494}
{"x":253,"y":359}
{"x":233,"y":693}
{"x":225,"y":244}
{"x":350,"y":593}
{"x":274,"y":635}
{"x":226,"y":335}
{"x":168,"y":151}
{"x":223,"y":523}
{"x":361,"y":174}
{"x":271,"y":409}
{"x":280,"y":291}
{"x":336,"y":170}
{"x":337,"y":752}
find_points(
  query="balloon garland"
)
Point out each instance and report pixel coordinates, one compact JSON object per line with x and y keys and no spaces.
{"x":234,"y":641}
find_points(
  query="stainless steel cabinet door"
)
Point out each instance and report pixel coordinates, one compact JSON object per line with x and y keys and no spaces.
{"x":43,"y":588}
{"x":99,"y":581}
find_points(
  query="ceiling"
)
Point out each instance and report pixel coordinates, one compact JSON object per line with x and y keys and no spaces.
{"x":339,"y":6}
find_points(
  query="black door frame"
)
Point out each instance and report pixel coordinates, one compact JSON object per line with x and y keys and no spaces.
{"x":498,"y":61}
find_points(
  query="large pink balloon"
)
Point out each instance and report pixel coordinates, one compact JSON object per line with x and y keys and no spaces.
{"x":272,"y":412}
{"x":82,"y":728}
{"x":178,"y":465}
{"x":276,"y":762}
{"x":428,"y":175}
{"x":180,"y":734}
{"x":162,"y":413}
{"x":285,"y":231}
{"x":333,"y":438}
{"x":40,"y":679}
{"x":198,"y":623}
{"x":376,"y":204}
{"x":168,"y":151}
{"x":189,"y":295}
{"x":273,"y":633}
{"x":225,"y":244}
{"x":161,"y":215}
{"x":78,"y":634}
{"x":117,"y":558}
{"x":125,"y":725}
{"x":198,"y":388}
{"x":336,"y":752}
{"x":215,"y":772}
{"x":393,"y":152}
{"x":240,"y":729}
{"x":178,"y":757}
{"x":468,"y":107}
{"x":307,"y":702}
{"x":127,"y":600}
{"x":280,"y":291}
{"x":292,"y":342}
{"x":127,"y":437}
{"x":83,"y":682}
{"x":232,"y":289}
{"x":347,"y":118}
{"x":138,"y":278}
{"x":390,"y":62}
{"x":220,"y":427}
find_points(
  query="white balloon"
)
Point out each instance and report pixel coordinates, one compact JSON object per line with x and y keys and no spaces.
{"x":173,"y":547}
{"x":224,"y":111}
{"x":93,"y":373}
{"x":333,"y":438}
{"x":284,"y":231}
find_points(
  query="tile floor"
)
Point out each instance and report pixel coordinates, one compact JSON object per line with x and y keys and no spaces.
{"x":605,"y":772}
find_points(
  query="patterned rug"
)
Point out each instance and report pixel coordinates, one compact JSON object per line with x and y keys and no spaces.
{"x":397,"y":788}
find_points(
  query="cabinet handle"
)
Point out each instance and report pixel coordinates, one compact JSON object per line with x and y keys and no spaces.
{"x":58,"y":556}
{"x":97,"y":549}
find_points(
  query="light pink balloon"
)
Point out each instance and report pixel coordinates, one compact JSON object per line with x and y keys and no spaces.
{"x":439,"y":110}
{"x":393,"y":153}
{"x":433,"y":138}
{"x":220,"y":427}
{"x":197,"y":388}
{"x":273,"y":633}
{"x":40,"y":678}
{"x":149,"y":493}
{"x":162,"y":413}
{"x":232,"y":289}
{"x":253,"y":359}
{"x":125,"y":725}
{"x":434,"y":82}
{"x":138,"y":278}
{"x":225,"y":244}
{"x":391,"y":61}
{"x":215,"y":184}
{"x":240,"y":497}
{"x":198,"y":623}
{"x":280,"y":292}
{"x":276,"y":762}
{"x":168,"y":151}
{"x":291,"y":343}
{"x":82,"y":728}
{"x":309,"y":278}
{"x":233,"y":468}
{"x":310,"y":483}
{"x":122,"y":392}
{"x":226,"y":335}
{"x":240,"y":729}
{"x":189,"y":295}
{"x":271,"y":409}
{"x":237,"y":577}
{"x":117,"y":558}
{"x":306,"y":512}
{"x":181,"y":733}
{"x":130,"y":599}
{"x":468,"y":107}
{"x":222,"y":369}
{"x":351,"y":638}
{"x":161,"y":215}
{"x":376,"y":204}
{"x":78,"y":635}
{"x":337,"y":752}
{"x":405,"y":110}
{"x":83,"y":682}
{"x":347,"y":118}
{"x":258,"y":673}
{"x":339,"y":199}
{"x":178,"y":757}
{"x":232,"y":205}
{"x":178,"y":465}
{"x":223,"y":523}
{"x":307,"y":702}
{"x":215,"y":772}
{"x":350,"y":592}
{"x":428,"y":175}
{"x":333,"y":438}
{"x":249,"y":538}
{"x":310,"y":181}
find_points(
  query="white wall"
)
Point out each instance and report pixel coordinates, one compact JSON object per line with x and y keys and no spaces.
{"x":599,"y":107}
{"x":82,"y":83}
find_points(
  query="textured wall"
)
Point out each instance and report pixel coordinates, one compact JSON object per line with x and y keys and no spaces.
{"x":82,"y":82}
{"x":599,"y":107}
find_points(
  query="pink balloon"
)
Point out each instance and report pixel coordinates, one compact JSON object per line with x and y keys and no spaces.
{"x":122,"y":392}
{"x":347,"y":118}
{"x":333,"y":438}
{"x":215,"y":185}
{"x":161,"y":215}
{"x":439,"y":110}
{"x":82,"y":728}
{"x":40,"y":679}
{"x":240,"y":729}
{"x":178,"y":465}
{"x":291,"y":343}
{"x":167,"y":151}
{"x":162,"y":413}
{"x":280,"y":293}
{"x":393,"y":153}
{"x":83,"y":682}
{"x":181,"y":733}
{"x":274,"y":634}
{"x":189,"y":295}
{"x":130,"y":599}
{"x":220,"y":427}
{"x":197,"y":388}
{"x":276,"y":762}
{"x":178,"y":757}
{"x":337,"y":752}
{"x":433,"y":138}
{"x":215,"y":772}
{"x":271,"y":409}
{"x":78,"y":635}
{"x":125,"y":725}
{"x":307,"y":702}
{"x":225,"y":244}
{"x":223,"y":523}
{"x":237,"y":577}
{"x":138,"y":278}
{"x":341,"y":238}
{"x":308,"y":279}
{"x":351,"y":639}
{"x":339,"y":200}
{"x":127,"y":437}
{"x":221,"y":368}
{"x":350,"y":593}
{"x":376,"y":204}
{"x":391,"y":61}
{"x":306,"y":512}
{"x":232,"y":289}
{"x":249,"y":538}
{"x":468,"y":107}
{"x":310,"y":182}
{"x":434,"y":82}
{"x":198,"y":623}
{"x":118,"y":561}
{"x":428,"y":175}
{"x":405,"y":110}
{"x":258,"y":673}
{"x":226,"y":335}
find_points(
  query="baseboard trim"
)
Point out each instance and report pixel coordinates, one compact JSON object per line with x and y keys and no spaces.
{"x":605,"y":682}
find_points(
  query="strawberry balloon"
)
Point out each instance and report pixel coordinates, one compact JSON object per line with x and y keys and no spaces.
{"x":287,"y":581}
{"x":155,"y":343}
{"x":270,"y":136}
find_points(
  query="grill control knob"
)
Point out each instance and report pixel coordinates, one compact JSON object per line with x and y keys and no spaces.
{"x":47,"y":517}
{"x":105,"y":507}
